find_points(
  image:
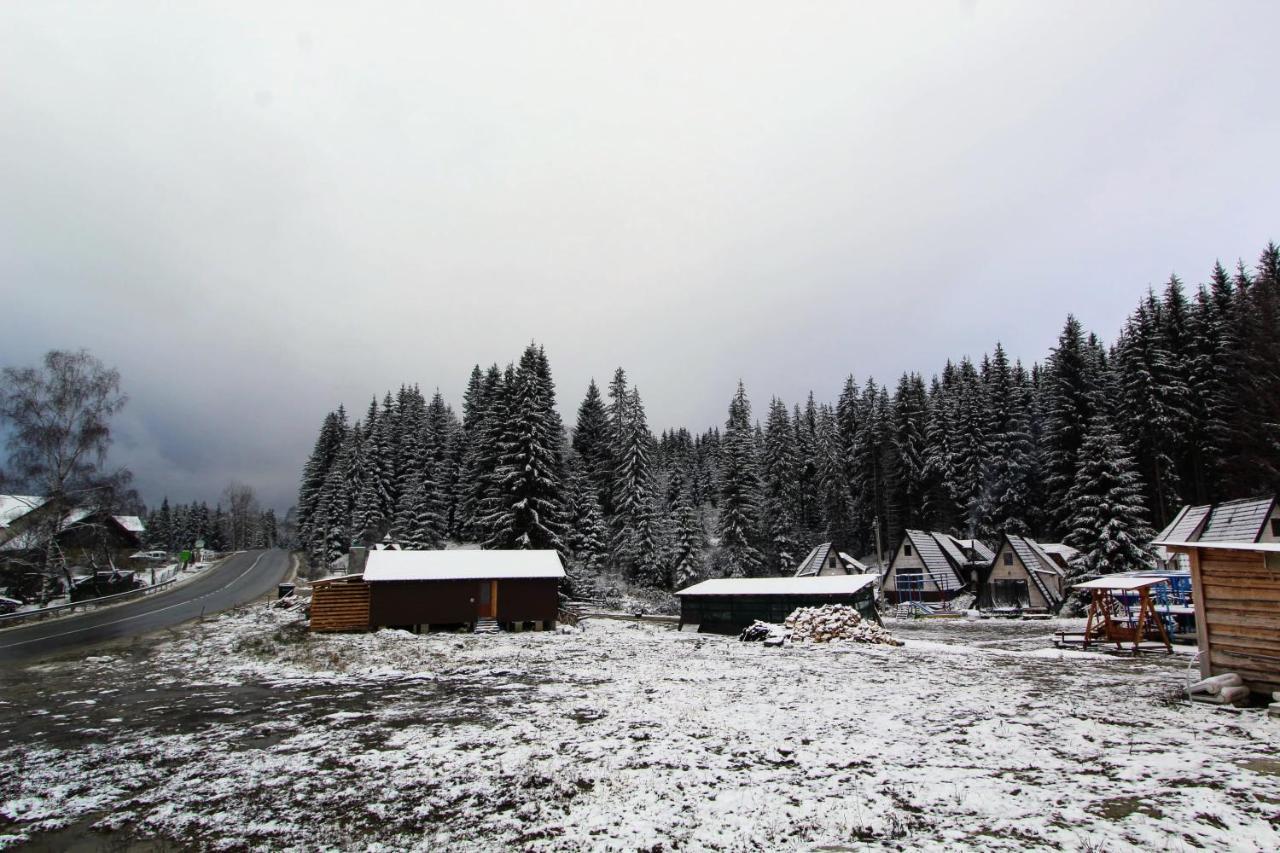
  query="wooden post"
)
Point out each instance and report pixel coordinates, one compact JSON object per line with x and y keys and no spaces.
{"x":1202,"y":621}
{"x":1140,"y":627}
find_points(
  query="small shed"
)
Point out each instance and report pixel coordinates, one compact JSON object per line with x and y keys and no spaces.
{"x":1236,"y":589}
{"x":824,"y":560}
{"x":418,"y":589}
{"x":728,"y":605}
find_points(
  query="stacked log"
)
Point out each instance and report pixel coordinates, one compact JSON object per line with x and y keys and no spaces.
{"x":1225,"y":689}
{"x":835,"y":622}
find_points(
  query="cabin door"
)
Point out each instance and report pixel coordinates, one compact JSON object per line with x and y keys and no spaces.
{"x":487,"y":600}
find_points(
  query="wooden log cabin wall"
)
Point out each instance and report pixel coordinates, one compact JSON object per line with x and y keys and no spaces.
{"x":1236,"y":589}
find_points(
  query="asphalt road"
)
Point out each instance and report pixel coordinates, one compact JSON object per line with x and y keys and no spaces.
{"x":238,"y":579}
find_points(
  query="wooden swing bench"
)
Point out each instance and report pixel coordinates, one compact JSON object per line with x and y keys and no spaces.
{"x":1114,"y":619}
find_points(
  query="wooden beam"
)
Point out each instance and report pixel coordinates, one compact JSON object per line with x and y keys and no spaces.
{"x":1202,"y":624}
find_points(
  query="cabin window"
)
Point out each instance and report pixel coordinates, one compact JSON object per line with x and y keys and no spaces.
{"x":1275,"y":527}
{"x":832,"y":564}
{"x":906,"y":550}
{"x":1008,"y":558}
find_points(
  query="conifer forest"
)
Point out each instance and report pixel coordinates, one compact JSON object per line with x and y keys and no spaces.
{"x":1097,"y":445}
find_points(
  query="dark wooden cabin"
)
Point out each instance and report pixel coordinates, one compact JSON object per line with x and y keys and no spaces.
{"x":728,"y":605}
{"x":420,"y":589}
{"x":1236,"y":589}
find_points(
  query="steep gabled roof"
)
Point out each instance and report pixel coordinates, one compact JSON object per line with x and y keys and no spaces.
{"x":1237,"y":521}
{"x":1185,"y":525}
{"x":1037,"y":563}
{"x":813,"y":561}
{"x":13,"y":507}
{"x":939,"y":568}
{"x":979,"y":549}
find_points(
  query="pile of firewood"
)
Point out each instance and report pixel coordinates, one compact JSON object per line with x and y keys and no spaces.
{"x":835,"y":622}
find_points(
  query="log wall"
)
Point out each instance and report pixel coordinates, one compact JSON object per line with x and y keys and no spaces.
{"x":340,"y":606}
{"x":1238,"y":615}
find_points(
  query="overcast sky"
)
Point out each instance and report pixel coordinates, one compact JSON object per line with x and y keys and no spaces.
{"x":257,"y":211}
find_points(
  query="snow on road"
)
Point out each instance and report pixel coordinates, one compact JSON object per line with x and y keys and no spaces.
{"x":245,"y":731}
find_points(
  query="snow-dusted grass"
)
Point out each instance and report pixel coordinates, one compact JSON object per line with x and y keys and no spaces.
{"x":245,"y":731}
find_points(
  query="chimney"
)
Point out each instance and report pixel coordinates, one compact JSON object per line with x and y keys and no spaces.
{"x":356,"y":558}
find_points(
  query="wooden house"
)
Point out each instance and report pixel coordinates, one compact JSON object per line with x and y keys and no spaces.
{"x":824,"y":561}
{"x":1023,"y":576}
{"x":417,"y":590}
{"x":728,"y":605}
{"x":1236,"y":589}
{"x":934,"y":567}
{"x":1247,"y":520}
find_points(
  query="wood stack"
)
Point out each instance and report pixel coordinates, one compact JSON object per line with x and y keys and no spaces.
{"x":340,"y":604}
{"x":835,"y":622}
{"x":1225,"y":689}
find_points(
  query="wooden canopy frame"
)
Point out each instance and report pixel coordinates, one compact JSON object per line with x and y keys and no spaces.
{"x":1112,"y":621}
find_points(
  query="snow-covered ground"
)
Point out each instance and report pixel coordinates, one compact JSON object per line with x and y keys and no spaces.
{"x":246,"y":732}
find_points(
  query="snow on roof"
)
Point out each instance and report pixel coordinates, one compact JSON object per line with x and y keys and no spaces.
{"x":1185,"y":524}
{"x":1065,"y":551}
{"x":1237,"y":521}
{"x":929,"y":550}
{"x":858,"y":565}
{"x":131,"y":523}
{"x":1121,"y":582}
{"x":979,"y":549}
{"x":829,"y":585}
{"x":461,"y":565}
{"x":13,"y":507}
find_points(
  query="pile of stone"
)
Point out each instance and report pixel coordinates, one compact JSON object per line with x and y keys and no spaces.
{"x":835,"y":622}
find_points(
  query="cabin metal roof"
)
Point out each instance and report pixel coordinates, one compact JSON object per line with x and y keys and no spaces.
{"x":461,"y":565}
{"x":1037,"y":562}
{"x":814,"y":560}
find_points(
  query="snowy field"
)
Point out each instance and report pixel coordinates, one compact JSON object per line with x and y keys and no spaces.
{"x":246,"y":732}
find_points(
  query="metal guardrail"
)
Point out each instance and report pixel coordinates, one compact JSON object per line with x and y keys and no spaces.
{"x":10,"y":619}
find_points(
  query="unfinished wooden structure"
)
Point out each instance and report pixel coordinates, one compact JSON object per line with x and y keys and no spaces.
{"x":728,"y":605}
{"x":1236,"y":589}
{"x":340,"y":604}
{"x":1122,"y":611}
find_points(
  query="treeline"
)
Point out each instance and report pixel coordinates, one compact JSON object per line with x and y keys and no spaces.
{"x":179,"y":527}
{"x":1094,"y":446}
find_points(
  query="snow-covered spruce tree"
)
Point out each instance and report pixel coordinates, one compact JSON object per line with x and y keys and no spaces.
{"x":1108,"y":521}
{"x":870,"y":463}
{"x":332,"y":432}
{"x":526,"y":506}
{"x":1254,"y":456}
{"x":968,"y":444}
{"x":419,"y":524}
{"x":908,"y":497}
{"x":1007,"y":468}
{"x":1070,"y":400}
{"x":481,"y":457}
{"x":1151,"y":406}
{"x":809,"y":515}
{"x":633,"y":474}
{"x":688,"y":557}
{"x":441,"y":440}
{"x":835,"y":502}
{"x":587,"y":536}
{"x":740,"y":529}
{"x":780,"y":473}
{"x":592,"y":443}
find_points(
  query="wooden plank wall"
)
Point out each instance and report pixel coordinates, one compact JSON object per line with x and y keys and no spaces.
{"x":340,"y":606}
{"x":1239,"y":600}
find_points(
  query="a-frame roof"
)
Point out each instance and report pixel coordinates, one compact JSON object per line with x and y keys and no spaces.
{"x":937,"y":565}
{"x":1037,"y":563}
{"x":1233,"y":521}
{"x":813,"y":561}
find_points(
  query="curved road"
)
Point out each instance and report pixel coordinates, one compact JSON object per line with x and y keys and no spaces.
{"x":236,"y":580}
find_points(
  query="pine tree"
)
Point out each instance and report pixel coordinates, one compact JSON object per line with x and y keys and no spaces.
{"x":1007,"y":469}
{"x":591,"y":441}
{"x":780,"y":473}
{"x":688,"y":561}
{"x":526,"y":507}
{"x":1071,"y":396}
{"x":740,"y":493}
{"x":332,"y":432}
{"x":1108,"y":522}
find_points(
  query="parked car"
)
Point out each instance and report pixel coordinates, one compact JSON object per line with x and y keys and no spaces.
{"x":150,"y":555}
{"x":9,"y":605}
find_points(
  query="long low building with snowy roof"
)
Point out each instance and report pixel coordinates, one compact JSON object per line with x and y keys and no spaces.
{"x":417,"y":590}
{"x":728,"y":605}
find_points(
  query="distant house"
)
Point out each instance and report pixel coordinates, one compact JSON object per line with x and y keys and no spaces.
{"x":1023,"y":576}
{"x":931,"y":566}
{"x":1063,"y":555}
{"x":727,"y":605}
{"x":824,"y":560}
{"x":1247,"y":520}
{"x":417,"y":590}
